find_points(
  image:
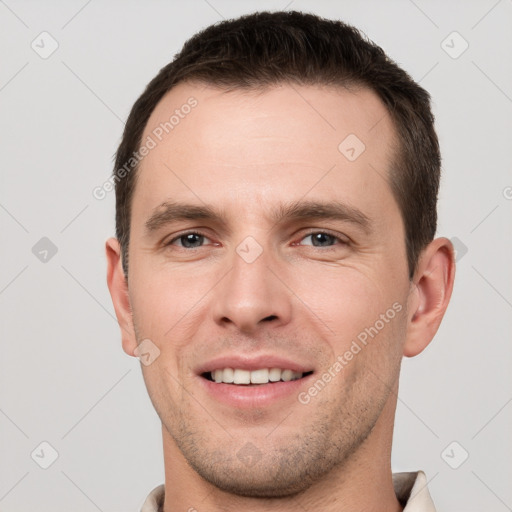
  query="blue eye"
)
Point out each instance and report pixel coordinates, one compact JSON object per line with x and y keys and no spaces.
{"x":189,"y":240}
{"x":194,"y":240}
{"x":322,"y":239}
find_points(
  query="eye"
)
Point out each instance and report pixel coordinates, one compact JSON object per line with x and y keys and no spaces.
{"x":323,"y":239}
{"x":190,"y":240}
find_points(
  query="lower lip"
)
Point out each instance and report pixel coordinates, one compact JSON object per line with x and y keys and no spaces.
{"x":247,"y":396}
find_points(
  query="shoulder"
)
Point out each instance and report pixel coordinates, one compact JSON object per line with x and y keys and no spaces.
{"x":155,"y":500}
{"x":412,"y":492}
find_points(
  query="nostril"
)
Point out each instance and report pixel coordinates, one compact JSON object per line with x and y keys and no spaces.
{"x":268,"y":318}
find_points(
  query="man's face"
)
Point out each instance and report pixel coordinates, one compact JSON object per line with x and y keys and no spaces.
{"x":264,"y":285}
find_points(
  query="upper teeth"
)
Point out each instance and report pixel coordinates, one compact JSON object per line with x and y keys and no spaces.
{"x":262,"y":376}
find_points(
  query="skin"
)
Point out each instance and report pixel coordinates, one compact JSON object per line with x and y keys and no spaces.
{"x":245,"y":152}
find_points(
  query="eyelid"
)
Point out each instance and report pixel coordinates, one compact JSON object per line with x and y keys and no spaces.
{"x":344,"y":239}
{"x":177,"y":236}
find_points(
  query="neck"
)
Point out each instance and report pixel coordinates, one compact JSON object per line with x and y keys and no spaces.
{"x":362,"y":482}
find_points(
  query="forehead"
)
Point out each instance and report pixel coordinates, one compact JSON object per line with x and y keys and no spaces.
{"x":319,"y":113}
{"x":261,"y":144}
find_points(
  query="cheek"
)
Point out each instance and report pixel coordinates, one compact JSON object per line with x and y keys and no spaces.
{"x":161,"y":310}
{"x":345,"y":299}
{"x":362,"y":319}
{"x":164,"y":300}
{"x":168,"y":308}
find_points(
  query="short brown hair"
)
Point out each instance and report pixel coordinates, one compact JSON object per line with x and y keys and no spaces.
{"x":271,"y":48}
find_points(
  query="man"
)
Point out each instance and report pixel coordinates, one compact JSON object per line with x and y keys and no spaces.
{"x":275,"y":259}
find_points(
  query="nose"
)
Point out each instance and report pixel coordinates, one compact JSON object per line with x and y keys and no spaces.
{"x":252,"y":296}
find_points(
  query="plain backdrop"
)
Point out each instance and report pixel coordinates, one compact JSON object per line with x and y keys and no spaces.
{"x":64,"y":379}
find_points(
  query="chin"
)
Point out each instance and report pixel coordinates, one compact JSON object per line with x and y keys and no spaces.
{"x":262,"y":484}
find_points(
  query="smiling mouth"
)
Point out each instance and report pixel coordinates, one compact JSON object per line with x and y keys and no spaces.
{"x":240,"y":377}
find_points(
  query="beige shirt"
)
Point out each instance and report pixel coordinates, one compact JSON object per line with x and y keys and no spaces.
{"x":410,"y":489}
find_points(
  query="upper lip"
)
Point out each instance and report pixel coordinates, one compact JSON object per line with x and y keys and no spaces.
{"x":250,"y":363}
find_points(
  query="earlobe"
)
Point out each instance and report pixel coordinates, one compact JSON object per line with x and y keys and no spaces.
{"x":431,"y":291}
{"x":118,"y":288}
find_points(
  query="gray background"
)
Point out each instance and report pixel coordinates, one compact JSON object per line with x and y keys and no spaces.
{"x":63,"y":376}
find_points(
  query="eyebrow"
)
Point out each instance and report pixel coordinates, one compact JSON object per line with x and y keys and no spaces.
{"x":172,"y":211}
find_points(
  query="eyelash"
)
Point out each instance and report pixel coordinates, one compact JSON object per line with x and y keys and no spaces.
{"x":313,"y":232}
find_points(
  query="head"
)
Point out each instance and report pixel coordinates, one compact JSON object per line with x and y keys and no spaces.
{"x":286,"y":214}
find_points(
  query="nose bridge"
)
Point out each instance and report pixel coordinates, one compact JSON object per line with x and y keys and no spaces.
{"x":251,"y":295}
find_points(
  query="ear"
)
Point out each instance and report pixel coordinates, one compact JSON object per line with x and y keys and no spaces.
{"x":431,"y":289}
{"x":118,"y":288}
